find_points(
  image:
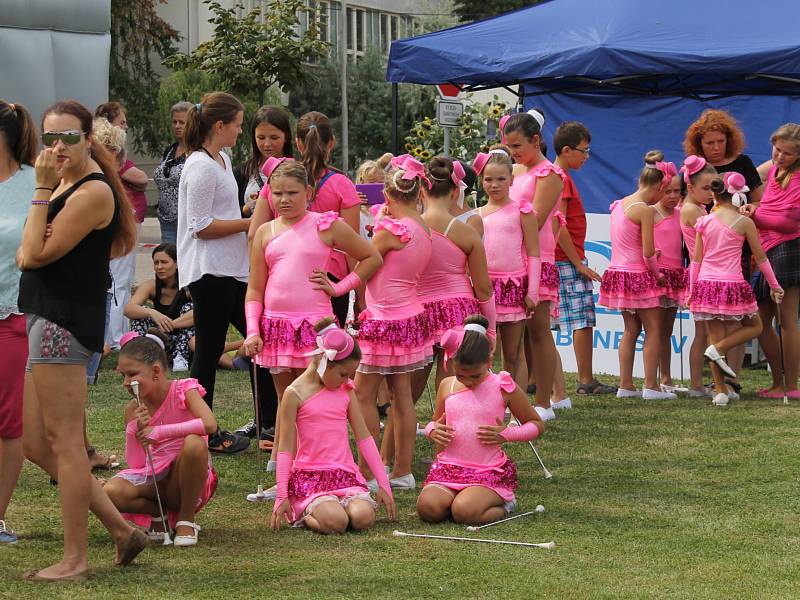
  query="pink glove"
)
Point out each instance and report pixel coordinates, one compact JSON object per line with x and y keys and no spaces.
{"x":372,"y":457}
{"x":769,"y":274}
{"x":524,"y":433}
{"x":252,"y":316}
{"x":652,"y":264}
{"x":694,"y":272}
{"x":177,"y":430}
{"x":534,"y":277}
{"x":282,"y":472}
{"x":134,"y":452}
{"x":489,"y":310}
{"x":351,"y":282}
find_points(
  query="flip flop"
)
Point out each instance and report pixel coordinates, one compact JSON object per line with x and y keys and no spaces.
{"x":130,"y":548}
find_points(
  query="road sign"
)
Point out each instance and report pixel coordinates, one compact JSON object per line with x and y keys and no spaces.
{"x":449,"y":112}
{"x":448,"y":90}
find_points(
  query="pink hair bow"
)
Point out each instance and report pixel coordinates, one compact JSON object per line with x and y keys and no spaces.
{"x":668,"y":170}
{"x":736,"y":185}
{"x":272,"y":163}
{"x":451,"y":341}
{"x":693,"y":164}
{"x":333,"y":343}
{"x":503,"y":120}
{"x":412,"y":168}
{"x":458,"y":178}
{"x":479,"y":162}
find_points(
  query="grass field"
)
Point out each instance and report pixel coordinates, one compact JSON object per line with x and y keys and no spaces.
{"x":673,"y":499}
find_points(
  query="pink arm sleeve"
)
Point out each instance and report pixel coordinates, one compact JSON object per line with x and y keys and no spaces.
{"x":694,"y":272}
{"x":534,"y":277}
{"x":769,"y":274}
{"x":652,"y":264}
{"x":282,"y":472}
{"x":524,"y":433}
{"x":134,"y":452}
{"x":252,"y":314}
{"x":177,"y":430}
{"x":372,"y":457}
{"x":351,"y":282}
{"x":429,"y":428}
{"x":489,"y":310}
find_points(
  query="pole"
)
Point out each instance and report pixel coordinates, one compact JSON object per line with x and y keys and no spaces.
{"x":395,"y":118}
{"x":345,"y":132}
{"x":447,"y":141}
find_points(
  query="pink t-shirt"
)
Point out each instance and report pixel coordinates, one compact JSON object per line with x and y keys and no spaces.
{"x":777,"y":202}
{"x":138,"y":198}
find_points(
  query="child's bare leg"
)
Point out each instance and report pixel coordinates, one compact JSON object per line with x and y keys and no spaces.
{"x":433,"y":504}
{"x":477,"y":505}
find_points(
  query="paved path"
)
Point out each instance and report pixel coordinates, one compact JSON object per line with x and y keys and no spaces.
{"x":149,"y":237}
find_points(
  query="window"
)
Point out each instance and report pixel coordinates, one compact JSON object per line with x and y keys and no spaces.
{"x":385,"y":40}
{"x":360,"y":33}
{"x":321,"y":13}
{"x":395,"y":33}
{"x":350,"y":28}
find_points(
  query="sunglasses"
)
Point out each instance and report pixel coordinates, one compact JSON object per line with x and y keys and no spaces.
{"x":70,"y":138}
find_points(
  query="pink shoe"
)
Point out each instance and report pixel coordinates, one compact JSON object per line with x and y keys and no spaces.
{"x":768,"y":394}
{"x":793,"y":394}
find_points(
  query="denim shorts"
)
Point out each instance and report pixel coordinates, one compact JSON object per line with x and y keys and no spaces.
{"x":49,"y":343}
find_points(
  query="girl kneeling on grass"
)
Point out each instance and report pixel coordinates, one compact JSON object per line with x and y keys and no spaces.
{"x":472,"y":479}
{"x":175,"y":422}
{"x":319,"y":484}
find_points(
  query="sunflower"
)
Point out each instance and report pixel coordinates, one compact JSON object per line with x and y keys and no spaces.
{"x":426,"y":154}
{"x":421,"y":132}
{"x":427,"y":121}
{"x":417,"y":151}
{"x":466,"y":131}
{"x":409,"y":147}
{"x":496,"y":111}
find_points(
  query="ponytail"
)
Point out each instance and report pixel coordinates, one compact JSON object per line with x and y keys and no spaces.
{"x":315,"y":132}
{"x":215,"y":106}
{"x":19,"y":130}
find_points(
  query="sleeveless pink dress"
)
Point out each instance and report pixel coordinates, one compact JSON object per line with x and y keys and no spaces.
{"x":507,"y":259}
{"x":466,"y":461}
{"x":524,"y":189}
{"x":393,"y":334}
{"x":291,"y":305}
{"x":172,"y":410}
{"x":444,"y":288}
{"x":627,"y":283}
{"x":668,"y":239}
{"x":721,"y":291}
{"x":323,"y":463}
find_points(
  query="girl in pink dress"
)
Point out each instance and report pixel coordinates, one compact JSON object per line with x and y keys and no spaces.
{"x":472,"y":480}
{"x":669,"y":250}
{"x":540,"y":182}
{"x":511,"y":241}
{"x":632,"y":283}
{"x":697,"y":175}
{"x":175,"y":422}
{"x":719,"y":293}
{"x":319,"y":484}
{"x":392,"y":331}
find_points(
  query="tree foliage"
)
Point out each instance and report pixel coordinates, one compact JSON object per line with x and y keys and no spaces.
{"x":472,"y":10}
{"x":138,"y":35}
{"x":251,"y":54}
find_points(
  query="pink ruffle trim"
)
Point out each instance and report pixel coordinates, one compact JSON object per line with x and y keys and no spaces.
{"x":722,"y":299}
{"x":628,"y":290}
{"x":442,"y":315}
{"x":303,"y":484}
{"x":502,"y":480}
{"x":184,"y":385}
{"x":285,"y":343}
{"x":395,"y":227}
{"x":676,"y":287}
{"x":410,"y":332}
{"x":510,"y":291}
{"x":327,"y":219}
{"x":507,"y":383}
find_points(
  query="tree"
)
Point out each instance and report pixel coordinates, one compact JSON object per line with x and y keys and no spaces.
{"x":138,"y":34}
{"x":472,"y":10}
{"x":251,"y":54}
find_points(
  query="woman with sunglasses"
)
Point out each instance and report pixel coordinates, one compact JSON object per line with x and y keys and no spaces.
{"x":168,"y":175}
{"x":63,"y":294}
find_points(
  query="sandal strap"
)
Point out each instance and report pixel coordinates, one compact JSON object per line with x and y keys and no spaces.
{"x":194,"y":526}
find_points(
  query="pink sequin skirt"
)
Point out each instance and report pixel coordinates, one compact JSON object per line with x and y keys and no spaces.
{"x":722,"y":300}
{"x":501,"y":480}
{"x":676,"y":289}
{"x":285,"y":343}
{"x":447,"y":313}
{"x":305,"y":486}
{"x":627,"y":290}
{"x":394,"y":346}
{"x":549,"y":285}
{"x":509,"y":297}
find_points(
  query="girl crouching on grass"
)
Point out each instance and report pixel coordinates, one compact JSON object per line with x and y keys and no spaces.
{"x":319,"y":484}
{"x":175,"y":422}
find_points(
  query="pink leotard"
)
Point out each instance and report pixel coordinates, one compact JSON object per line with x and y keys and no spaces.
{"x":466,"y":461}
{"x":627,"y":283}
{"x":393,"y":334}
{"x":323,"y":464}
{"x":291,"y":304}
{"x":444,"y":287}
{"x":669,"y":241}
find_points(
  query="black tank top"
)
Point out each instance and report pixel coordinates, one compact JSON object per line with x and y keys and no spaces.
{"x":71,"y":292}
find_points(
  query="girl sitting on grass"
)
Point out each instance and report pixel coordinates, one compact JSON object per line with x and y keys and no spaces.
{"x":175,"y":422}
{"x":472,"y":480}
{"x":319,"y":484}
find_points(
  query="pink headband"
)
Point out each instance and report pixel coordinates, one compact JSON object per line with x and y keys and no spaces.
{"x":736,"y":185}
{"x":271,"y":164}
{"x":128,"y":336}
{"x":503,"y":120}
{"x":693,"y":164}
{"x":333,"y":343}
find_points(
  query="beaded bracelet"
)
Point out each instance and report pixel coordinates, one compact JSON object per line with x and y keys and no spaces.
{"x":40,"y":202}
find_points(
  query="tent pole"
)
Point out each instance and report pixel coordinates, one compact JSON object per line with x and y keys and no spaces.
{"x":395,"y":137}
{"x":521,"y":98}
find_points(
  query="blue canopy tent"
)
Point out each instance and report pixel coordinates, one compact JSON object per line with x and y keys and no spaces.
{"x":636,"y":73}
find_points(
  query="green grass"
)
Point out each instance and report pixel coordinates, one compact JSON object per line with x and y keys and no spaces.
{"x":670,"y":499}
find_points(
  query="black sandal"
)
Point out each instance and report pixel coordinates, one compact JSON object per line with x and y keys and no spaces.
{"x":595,"y":388}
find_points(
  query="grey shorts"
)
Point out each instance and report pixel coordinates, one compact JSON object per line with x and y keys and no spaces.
{"x":49,"y":343}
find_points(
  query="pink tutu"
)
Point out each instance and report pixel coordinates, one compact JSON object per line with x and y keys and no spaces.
{"x":509,"y":297}
{"x":676,"y":288}
{"x":447,"y":313}
{"x":394,"y":346}
{"x":628,"y":290}
{"x":286,"y":340}
{"x":549,"y":284}
{"x":502,"y":480}
{"x":306,"y":486}
{"x":722,"y":300}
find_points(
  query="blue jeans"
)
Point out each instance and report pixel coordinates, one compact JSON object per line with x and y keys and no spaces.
{"x":94,"y":362}
{"x":169,"y":231}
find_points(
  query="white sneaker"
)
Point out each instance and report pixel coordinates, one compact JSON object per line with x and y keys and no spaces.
{"x":179,"y":364}
{"x":701,"y":393}
{"x":263,"y":495}
{"x":713,"y":354}
{"x":623,"y":393}
{"x":271,"y":466}
{"x":732,"y":395}
{"x":649,"y":394}
{"x":720,"y":400}
{"x":406,"y":482}
{"x":545,"y":414}
{"x":564,"y":404}
{"x":674,"y":389}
